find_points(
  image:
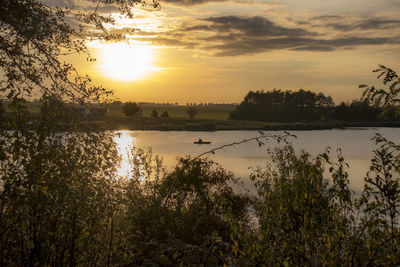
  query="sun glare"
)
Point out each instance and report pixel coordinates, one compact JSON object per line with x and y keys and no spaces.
{"x":126,"y":61}
{"x":124,"y":144}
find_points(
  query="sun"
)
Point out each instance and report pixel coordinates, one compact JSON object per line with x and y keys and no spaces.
{"x":126,"y":61}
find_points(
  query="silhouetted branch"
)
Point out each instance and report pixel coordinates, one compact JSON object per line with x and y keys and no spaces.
{"x":278,"y":137}
{"x":262,"y":136}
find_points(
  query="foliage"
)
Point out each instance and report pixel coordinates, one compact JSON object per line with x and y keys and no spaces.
{"x":62,"y":202}
{"x":154,"y":114}
{"x":57,"y":198}
{"x":357,"y":111}
{"x":308,"y":216}
{"x":301,"y":215}
{"x":34,"y":38}
{"x":58,"y":192}
{"x":213,"y":252}
{"x":1,"y":110}
{"x":191,"y":112}
{"x":165,"y":114}
{"x":131,"y":108}
{"x":281,"y":106}
{"x":380,"y":203}
{"x":288,"y":106}
{"x":387,"y":98}
{"x":381,"y":197}
{"x":189,"y":204}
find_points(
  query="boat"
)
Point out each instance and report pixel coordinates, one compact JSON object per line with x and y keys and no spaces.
{"x":201,"y":142}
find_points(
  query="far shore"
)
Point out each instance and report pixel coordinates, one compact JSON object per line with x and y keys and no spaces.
{"x":211,"y":117}
{"x":232,"y":125}
{"x":181,"y":124}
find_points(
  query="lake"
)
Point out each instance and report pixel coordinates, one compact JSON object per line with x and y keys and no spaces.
{"x":355,"y":143}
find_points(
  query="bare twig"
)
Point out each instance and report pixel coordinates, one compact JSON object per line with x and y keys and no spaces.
{"x":258,"y":139}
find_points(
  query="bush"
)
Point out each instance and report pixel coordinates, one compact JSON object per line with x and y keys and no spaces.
{"x":165,"y":115}
{"x":154,"y":114}
{"x":57,"y":198}
{"x":299,"y":211}
{"x":189,"y":203}
{"x":130,"y":109}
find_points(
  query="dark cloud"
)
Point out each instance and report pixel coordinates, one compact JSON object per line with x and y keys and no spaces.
{"x":200,"y":2}
{"x":252,"y":26}
{"x":236,"y":35}
{"x":353,"y":23}
{"x":253,"y":46}
{"x":367,"y":24}
{"x":164,"y":41}
{"x":328,"y":17}
{"x":314,"y":47}
{"x":190,"y":2}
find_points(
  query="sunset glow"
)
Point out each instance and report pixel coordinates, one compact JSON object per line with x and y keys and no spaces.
{"x":126,"y":61}
{"x":212,"y":51}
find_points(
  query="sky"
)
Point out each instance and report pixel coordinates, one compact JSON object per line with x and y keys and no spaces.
{"x":216,"y":51}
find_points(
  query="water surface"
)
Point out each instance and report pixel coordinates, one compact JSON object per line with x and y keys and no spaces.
{"x":355,"y":144}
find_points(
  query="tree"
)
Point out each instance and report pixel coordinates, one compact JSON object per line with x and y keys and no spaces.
{"x":58,"y":191}
{"x":35,"y":37}
{"x":300,"y":207}
{"x":1,"y":109}
{"x":283,"y":106}
{"x":192,"y":112}
{"x":165,"y":114}
{"x":154,"y":114}
{"x":131,"y":108}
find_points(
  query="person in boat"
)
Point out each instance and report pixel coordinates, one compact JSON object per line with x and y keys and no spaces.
{"x":200,"y":141}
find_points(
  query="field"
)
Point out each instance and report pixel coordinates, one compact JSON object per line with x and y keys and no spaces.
{"x":208,"y":118}
{"x":179,"y":112}
{"x":211,"y":112}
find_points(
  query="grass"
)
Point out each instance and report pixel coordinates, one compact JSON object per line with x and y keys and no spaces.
{"x":174,"y":111}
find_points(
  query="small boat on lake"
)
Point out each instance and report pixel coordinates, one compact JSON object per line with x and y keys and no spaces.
{"x":201,"y":142}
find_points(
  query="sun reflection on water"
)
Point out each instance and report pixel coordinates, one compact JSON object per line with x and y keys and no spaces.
{"x":124,"y":142}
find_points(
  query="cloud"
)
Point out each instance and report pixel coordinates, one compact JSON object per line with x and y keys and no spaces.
{"x":253,"y":46}
{"x":367,"y":24}
{"x":328,"y":17}
{"x":237,"y":35}
{"x":352,"y":22}
{"x":190,"y":2}
{"x":172,"y":42}
{"x":200,"y":2}
{"x":252,"y":26}
{"x":244,"y":35}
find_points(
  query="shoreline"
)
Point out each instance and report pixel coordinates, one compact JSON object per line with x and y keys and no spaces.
{"x":148,"y":124}
{"x":231,"y":125}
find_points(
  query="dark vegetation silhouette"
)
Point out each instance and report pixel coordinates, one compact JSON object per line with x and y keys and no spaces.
{"x":62,"y":202}
{"x":165,"y":115}
{"x":130,"y":109}
{"x":154,"y":114}
{"x":305,"y":106}
{"x":191,"y":112}
{"x":1,"y":110}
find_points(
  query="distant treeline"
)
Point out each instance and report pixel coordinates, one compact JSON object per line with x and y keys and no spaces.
{"x":118,"y":103}
{"x":289,"y":106}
